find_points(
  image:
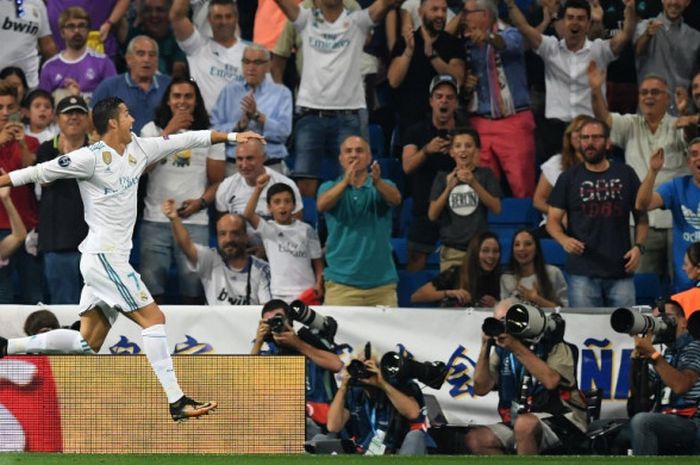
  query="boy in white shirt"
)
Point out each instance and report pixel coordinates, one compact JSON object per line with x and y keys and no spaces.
{"x":292,"y":246}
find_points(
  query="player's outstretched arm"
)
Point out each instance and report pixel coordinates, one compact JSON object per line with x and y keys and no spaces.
{"x":218,"y":137}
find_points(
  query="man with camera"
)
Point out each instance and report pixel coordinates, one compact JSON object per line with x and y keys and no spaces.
{"x":381,"y":417}
{"x":314,"y":341}
{"x":535,"y":375}
{"x":674,"y":382}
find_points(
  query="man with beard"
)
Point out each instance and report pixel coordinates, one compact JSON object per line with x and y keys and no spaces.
{"x":418,"y":57}
{"x":640,"y":134}
{"x":76,"y":69}
{"x":426,"y":152}
{"x":597,"y":197}
{"x":566,"y":62}
{"x":503,"y":117}
{"x":228,"y":274}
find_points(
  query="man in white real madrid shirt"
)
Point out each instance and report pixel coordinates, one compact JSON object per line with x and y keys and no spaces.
{"x":107,"y":173}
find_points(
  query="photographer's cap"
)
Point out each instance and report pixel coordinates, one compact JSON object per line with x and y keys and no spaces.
{"x":70,"y":104}
{"x":441,"y":79}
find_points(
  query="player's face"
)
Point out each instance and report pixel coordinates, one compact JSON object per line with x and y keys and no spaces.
{"x":463,"y":150}
{"x":250,"y":161}
{"x":281,"y":206}
{"x":489,"y":254}
{"x":73,"y":123}
{"x":182,"y":98}
{"x":355,"y":149}
{"x":223,"y":20}
{"x":231,"y":237}
{"x":125,"y":123}
{"x":8,"y":106}
{"x":524,"y":248}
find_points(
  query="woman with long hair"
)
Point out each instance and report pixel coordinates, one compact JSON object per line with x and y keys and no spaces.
{"x":190,"y":178}
{"x":529,"y":278}
{"x":551,"y":169}
{"x":474,"y":283}
{"x":690,"y":299}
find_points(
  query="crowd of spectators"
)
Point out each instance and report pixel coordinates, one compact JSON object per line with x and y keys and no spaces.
{"x":474,"y":98}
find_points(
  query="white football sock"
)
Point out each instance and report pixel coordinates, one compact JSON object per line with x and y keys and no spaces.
{"x":58,"y":341}
{"x":155,"y":344}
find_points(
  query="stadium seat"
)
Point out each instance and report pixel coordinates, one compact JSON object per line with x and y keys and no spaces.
{"x":392,"y":170}
{"x":409,"y":282}
{"x":554,"y":253}
{"x":376,"y":140}
{"x":648,"y":288}
{"x":515,"y":214}
{"x":330,"y":169}
{"x":400,"y":246}
{"x":310,"y":211}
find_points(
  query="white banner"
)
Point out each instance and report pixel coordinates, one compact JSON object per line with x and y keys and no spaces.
{"x":449,"y":335}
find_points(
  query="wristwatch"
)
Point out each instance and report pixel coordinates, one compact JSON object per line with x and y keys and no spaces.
{"x":641,"y":247}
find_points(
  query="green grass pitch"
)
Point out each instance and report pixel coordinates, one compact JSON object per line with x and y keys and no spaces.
{"x":165,"y":459}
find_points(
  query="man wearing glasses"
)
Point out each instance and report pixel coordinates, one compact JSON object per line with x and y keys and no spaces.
{"x":77,"y":70}
{"x":597,"y":197}
{"x":257,"y":104}
{"x":640,"y":135}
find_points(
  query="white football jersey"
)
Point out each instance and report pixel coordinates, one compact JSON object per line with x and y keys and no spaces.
{"x":108,"y":183}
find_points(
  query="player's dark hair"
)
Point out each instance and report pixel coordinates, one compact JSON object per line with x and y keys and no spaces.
{"x":105,"y":110}
{"x":278,"y":188}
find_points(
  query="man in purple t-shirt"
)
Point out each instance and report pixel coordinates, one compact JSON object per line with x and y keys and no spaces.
{"x":77,"y":69}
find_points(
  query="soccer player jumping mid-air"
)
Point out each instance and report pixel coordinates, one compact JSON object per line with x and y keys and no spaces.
{"x":108,"y":173}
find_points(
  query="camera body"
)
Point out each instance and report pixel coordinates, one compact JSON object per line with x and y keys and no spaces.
{"x":626,"y":321}
{"x":358,"y":370}
{"x":323,"y":325}
{"x":398,"y":367}
{"x":276,"y":324}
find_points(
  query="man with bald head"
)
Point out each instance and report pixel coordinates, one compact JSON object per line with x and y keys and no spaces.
{"x":357,"y":208}
{"x":234,"y":192}
{"x":228,"y":274}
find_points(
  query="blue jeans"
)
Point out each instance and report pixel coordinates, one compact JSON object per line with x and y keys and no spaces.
{"x":29,"y":274}
{"x":158,"y":250}
{"x":655,"y":432}
{"x":317,"y":137}
{"x":585,"y":291}
{"x":63,"y":279}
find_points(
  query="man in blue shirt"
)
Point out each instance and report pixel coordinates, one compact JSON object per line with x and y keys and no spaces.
{"x":258,"y":104}
{"x":358,"y":207}
{"x":142,"y":87}
{"x":503,"y":117}
{"x":681,"y":195}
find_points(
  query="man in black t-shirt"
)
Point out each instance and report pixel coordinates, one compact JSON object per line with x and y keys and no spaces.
{"x":418,"y":57}
{"x":597,"y":197}
{"x":62,"y":226}
{"x":425,"y":153}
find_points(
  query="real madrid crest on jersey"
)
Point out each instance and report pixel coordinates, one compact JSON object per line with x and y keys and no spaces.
{"x":107,"y":157}
{"x":132,"y":160}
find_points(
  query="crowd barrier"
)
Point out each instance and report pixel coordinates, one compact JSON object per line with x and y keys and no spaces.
{"x":449,"y":335}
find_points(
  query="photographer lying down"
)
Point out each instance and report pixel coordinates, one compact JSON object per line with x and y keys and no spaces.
{"x":381,"y":413}
{"x":533,"y":370}
{"x":665,"y":387}
{"x":314,"y":341}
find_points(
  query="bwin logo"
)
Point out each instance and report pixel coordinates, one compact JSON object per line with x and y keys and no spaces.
{"x":20,"y":26}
